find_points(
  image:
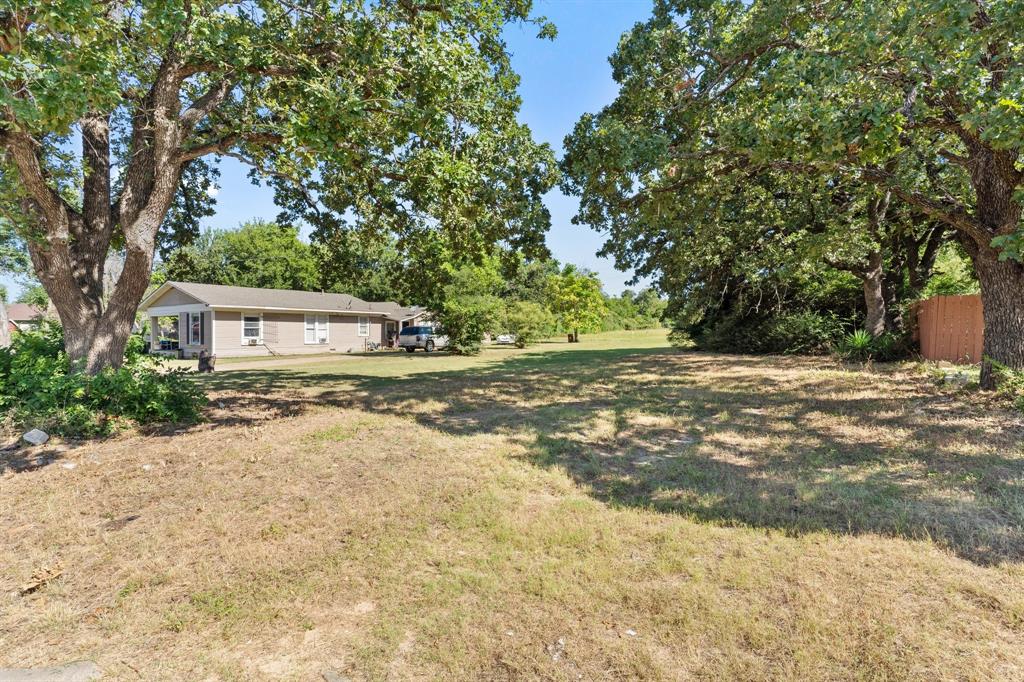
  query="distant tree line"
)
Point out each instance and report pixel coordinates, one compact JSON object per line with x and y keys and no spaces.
{"x":502,"y":292}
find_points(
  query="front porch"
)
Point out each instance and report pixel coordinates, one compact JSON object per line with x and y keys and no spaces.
{"x":180,"y":333}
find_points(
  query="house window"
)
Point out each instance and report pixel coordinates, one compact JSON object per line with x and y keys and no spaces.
{"x":316,"y":329}
{"x":195,"y":329}
{"x":252,"y":329}
{"x":364,"y":326}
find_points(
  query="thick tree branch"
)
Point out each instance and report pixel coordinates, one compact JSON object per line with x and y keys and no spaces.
{"x":953,"y":158}
{"x":224,"y":145}
{"x":95,"y":130}
{"x":155,"y":139}
{"x":22,"y":149}
{"x":954,"y":215}
{"x":204,"y":105}
{"x":92,"y":233}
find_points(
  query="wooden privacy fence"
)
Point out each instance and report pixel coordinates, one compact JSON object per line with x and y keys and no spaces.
{"x":951,"y":328}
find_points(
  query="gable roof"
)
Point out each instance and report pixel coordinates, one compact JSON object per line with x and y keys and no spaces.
{"x":223,"y":296}
{"x":22,"y":312}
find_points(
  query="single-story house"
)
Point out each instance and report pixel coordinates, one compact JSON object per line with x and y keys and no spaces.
{"x":21,"y":316}
{"x":186,"y":318}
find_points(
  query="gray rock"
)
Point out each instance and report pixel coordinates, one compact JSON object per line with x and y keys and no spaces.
{"x":331,"y":676}
{"x":956,"y":378}
{"x":79,"y":671}
{"x":36,"y":437}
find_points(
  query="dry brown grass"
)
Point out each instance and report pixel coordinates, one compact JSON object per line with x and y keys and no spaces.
{"x":619,"y":510}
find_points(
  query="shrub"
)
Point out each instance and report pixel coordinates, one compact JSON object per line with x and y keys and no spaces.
{"x":1009,"y":384}
{"x":860,"y":346}
{"x":805,"y":332}
{"x":855,"y":346}
{"x":465,"y":320}
{"x":40,"y":389}
{"x":530,"y":322}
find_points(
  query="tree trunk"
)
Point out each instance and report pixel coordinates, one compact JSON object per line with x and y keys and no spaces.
{"x":97,"y":341}
{"x":5,"y":332}
{"x":995,"y":178}
{"x":1002,"y":301}
{"x":575,"y":335}
{"x":893,"y":301}
{"x":97,"y":348}
{"x":874,"y":295}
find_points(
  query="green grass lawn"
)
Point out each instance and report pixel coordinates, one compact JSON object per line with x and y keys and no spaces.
{"x":614,"y":509}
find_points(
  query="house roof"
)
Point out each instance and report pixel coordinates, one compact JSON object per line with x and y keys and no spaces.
{"x":22,"y":312}
{"x":222,"y":296}
{"x":397,"y":312}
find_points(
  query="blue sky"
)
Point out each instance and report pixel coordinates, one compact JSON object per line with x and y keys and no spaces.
{"x":560,"y":81}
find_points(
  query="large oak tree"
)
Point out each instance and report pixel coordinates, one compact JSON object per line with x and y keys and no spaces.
{"x":106,"y":108}
{"x":922,"y":99}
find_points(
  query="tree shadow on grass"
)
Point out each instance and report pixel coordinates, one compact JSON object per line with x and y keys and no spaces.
{"x":792,"y":444}
{"x":20,"y":459}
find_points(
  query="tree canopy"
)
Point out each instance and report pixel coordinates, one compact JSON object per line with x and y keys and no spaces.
{"x":393,"y":116}
{"x":258,"y":254}
{"x":576,"y":300}
{"x":920,"y":104}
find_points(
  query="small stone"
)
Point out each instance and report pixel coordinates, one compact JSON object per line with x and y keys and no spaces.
{"x":36,"y":437}
{"x":69,"y":465}
{"x":331,"y":676}
{"x":631,"y":632}
{"x":956,"y":378}
{"x":147,"y":467}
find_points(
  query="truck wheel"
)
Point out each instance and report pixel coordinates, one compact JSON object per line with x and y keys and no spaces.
{"x":410,"y":349}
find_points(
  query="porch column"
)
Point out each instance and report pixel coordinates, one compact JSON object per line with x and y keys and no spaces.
{"x":154,"y":333}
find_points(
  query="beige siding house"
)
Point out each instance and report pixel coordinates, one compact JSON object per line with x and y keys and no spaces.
{"x":237,"y":321}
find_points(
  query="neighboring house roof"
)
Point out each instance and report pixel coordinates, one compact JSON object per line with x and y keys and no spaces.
{"x":397,"y":312}
{"x":222,"y":296}
{"x":22,"y":312}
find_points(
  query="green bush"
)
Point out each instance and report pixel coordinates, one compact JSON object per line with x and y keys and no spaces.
{"x":803,"y":332}
{"x":855,"y":346}
{"x":529,"y":321}
{"x":1009,"y":384}
{"x":39,"y":389}
{"x":953,"y":274}
{"x":860,"y":346}
{"x":465,"y":320}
